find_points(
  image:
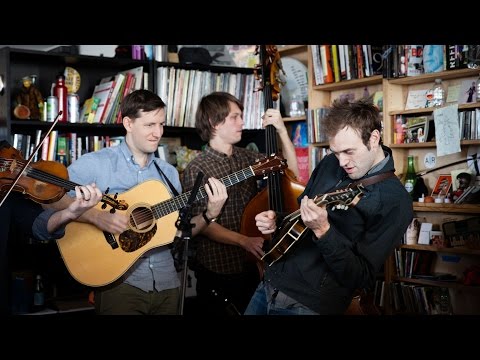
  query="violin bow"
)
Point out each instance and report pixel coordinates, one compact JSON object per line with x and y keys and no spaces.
{"x":30,"y":158}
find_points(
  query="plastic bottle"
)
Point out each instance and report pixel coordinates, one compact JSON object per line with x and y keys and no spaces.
{"x":438,"y":93}
{"x":38,"y":294}
{"x":61,"y":92}
{"x":410,"y":177}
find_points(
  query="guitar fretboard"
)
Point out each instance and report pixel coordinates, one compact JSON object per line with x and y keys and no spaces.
{"x":168,"y":206}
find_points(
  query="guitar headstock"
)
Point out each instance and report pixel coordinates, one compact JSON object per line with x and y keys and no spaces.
{"x":269,"y":164}
{"x":342,"y":199}
{"x":114,"y":203}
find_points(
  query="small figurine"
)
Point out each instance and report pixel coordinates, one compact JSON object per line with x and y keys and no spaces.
{"x":31,"y":97}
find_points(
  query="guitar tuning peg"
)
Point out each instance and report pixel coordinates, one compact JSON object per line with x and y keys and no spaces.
{"x":112,"y":210}
{"x":108,"y":189}
{"x":104,"y":206}
{"x":115,"y":196}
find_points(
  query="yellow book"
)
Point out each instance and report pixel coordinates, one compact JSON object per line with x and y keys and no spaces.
{"x":335,"y":63}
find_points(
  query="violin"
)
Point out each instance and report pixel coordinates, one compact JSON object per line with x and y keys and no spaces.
{"x":43,"y":182}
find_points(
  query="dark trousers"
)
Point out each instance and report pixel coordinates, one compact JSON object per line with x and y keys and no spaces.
{"x":225,"y":294}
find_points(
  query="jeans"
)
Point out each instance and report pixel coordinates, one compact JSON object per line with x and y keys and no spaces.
{"x":269,"y":301}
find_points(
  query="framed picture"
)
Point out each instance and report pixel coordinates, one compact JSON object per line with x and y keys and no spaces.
{"x":443,"y":185}
{"x":417,"y":129}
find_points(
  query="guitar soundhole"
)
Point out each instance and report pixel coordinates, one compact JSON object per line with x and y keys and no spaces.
{"x":141,"y":219}
{"x":143,"y":228}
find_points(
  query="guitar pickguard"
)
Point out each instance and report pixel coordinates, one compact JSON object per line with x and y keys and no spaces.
{"x":131,"y":241}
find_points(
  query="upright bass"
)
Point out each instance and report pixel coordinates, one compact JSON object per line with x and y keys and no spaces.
{"x":282,"y":188}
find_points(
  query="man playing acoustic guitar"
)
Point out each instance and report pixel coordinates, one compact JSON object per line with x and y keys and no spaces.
{"x":341,"y":250}
{"x":150,"y":285}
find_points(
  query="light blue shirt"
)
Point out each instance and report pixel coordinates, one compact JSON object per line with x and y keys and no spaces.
{"x":40,"y":229}
{"x":115,"y":168}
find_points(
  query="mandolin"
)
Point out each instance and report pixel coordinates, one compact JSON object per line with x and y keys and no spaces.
{"x":292,"y":227}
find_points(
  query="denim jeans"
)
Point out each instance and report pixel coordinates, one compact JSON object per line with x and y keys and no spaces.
{"x":269,"y":301}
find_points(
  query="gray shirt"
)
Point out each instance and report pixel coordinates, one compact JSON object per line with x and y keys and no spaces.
{"x":115,"y":168}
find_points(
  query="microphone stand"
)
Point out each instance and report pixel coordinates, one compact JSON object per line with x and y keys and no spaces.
{"x":184,"y":226}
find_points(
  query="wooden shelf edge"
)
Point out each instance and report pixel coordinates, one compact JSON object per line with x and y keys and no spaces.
{"x":447,"y":284}
{"x":372,"y":80}
{"x":444,"y":75}
{"x":447,"y":208}
{"x":430,"y":110}
{"x":452,"y":250}
{"x":297,"y":118}
{"x":431,"y":144}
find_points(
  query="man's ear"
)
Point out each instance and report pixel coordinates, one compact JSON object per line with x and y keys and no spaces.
{"x":375,"y":137}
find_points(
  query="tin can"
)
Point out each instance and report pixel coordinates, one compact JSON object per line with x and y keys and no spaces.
{"x":52,"y":108}
{"x":73,"y":108}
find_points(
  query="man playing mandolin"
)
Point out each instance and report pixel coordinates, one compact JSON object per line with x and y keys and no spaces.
{"x":341,"y":250}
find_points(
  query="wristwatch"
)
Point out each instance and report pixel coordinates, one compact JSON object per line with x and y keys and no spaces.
{"x":207,"y":220}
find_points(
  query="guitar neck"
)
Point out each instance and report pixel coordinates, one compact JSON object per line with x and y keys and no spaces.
{"x":180,"y":201}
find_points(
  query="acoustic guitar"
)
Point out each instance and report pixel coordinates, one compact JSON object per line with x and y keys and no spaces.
{"x":96,"y":258}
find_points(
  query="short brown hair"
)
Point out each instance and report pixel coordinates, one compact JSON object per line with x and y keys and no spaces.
{"x":360,"y":115}
{"x":212,"y":110}
{"x":140,"y":100}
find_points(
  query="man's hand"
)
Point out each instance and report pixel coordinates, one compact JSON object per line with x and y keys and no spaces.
{"x":217,"y":195}
{"x":314,"y":217}
{"x":266,"y":221}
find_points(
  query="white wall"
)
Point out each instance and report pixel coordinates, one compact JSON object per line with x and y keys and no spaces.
{"x":97,"y":50}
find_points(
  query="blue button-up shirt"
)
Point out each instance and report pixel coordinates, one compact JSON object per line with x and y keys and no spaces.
{"x":115,"y":168}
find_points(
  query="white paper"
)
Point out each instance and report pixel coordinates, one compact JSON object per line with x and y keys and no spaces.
{"x":447,"y":133}
{"x":416,"y":99}
{"x":424,"y":236}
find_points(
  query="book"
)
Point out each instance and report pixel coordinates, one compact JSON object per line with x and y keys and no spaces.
{"x":302,"y":162}
{"x":468,"y":93}
{"x":299,"y":134}
{"x":118,"y":83}
{"x":416,"y":99}
{"x":102,"y":92}
{"x":433,"y":58}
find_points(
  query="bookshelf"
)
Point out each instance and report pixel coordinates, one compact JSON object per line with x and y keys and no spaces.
{"x":321,"y":96}
{"x":453,"y":260}
{"x":464,"y":298}
{"x":17,"y":63}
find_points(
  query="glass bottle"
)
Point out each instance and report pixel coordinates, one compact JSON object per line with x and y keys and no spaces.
{"x":410,"y":177}
{"x":61,"y":92}
{"x":38,"y":294}
{"x":438,"y":93}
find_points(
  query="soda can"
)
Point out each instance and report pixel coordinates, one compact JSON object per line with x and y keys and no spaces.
{"x":52,"y":108}
{"x":73,"y":108}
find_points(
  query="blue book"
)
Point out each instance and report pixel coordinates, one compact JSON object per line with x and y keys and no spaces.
{"x":299,"y":134}
{"x":433,"y":58}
